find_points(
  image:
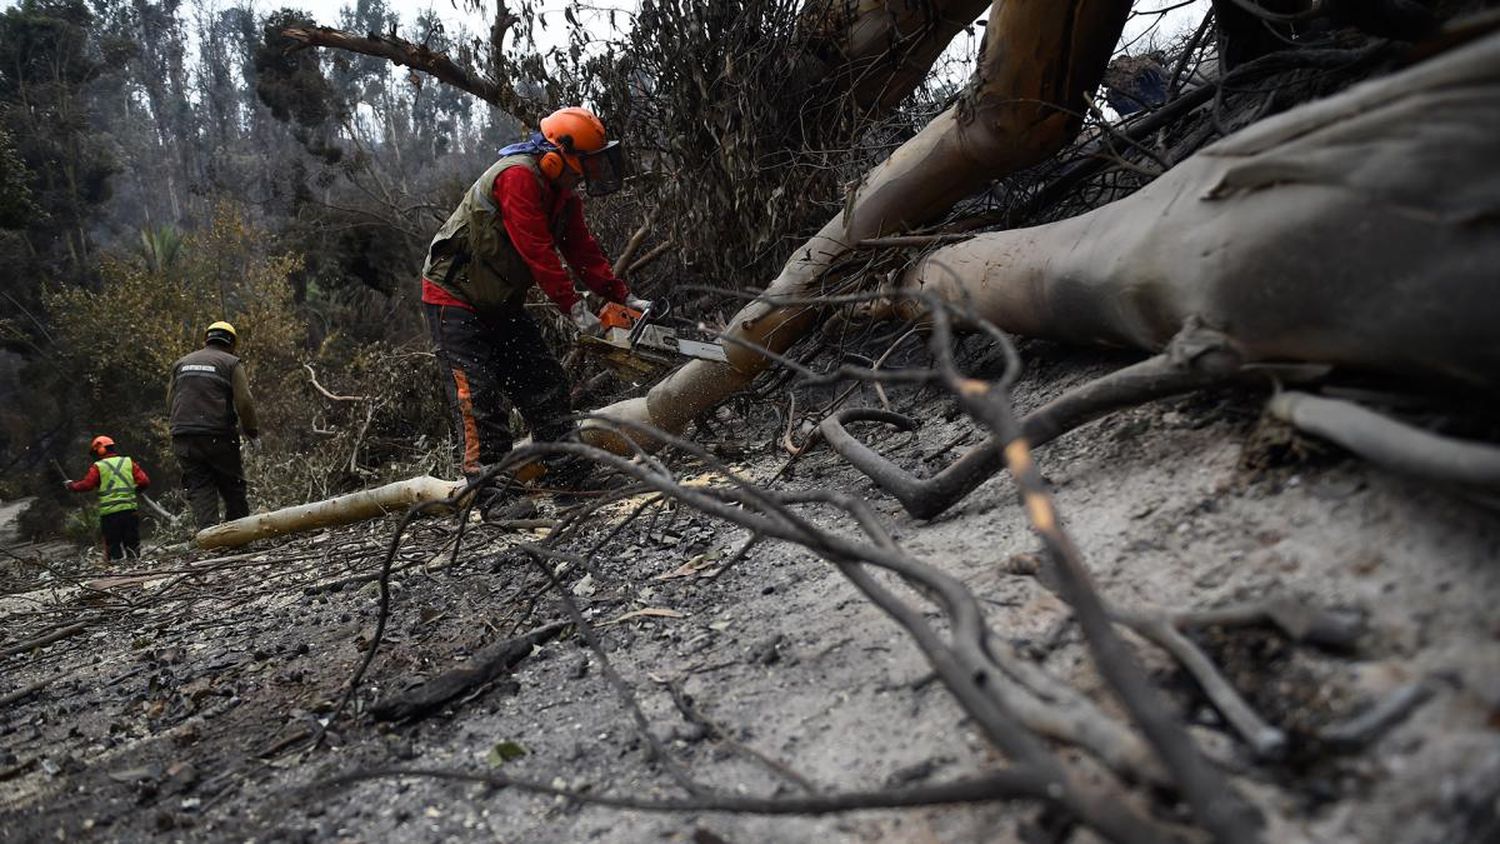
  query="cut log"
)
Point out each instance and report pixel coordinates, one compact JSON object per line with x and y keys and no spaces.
{"x":343,"y":510}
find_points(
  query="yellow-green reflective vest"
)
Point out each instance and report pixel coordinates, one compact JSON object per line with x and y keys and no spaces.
{"x":116,"y":485}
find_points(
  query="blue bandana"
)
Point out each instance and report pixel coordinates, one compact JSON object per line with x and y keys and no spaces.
{"x":534,"y":145}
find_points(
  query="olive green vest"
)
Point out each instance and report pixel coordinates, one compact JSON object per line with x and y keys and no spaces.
{"x":116,"y":485}
{"x":471,"y":257}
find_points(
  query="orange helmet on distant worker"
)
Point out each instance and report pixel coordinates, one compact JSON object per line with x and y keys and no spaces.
{"x":584,"y":147}
{"x":100,"y":446}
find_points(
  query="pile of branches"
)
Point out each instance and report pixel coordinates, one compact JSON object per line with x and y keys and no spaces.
{"x":360,"y":419}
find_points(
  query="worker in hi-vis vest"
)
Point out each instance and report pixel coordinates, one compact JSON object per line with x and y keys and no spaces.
{"x":117,"y":478}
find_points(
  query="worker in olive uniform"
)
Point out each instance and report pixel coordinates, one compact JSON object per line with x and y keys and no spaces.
{"x":117,"y":478}
{"x":209,"y":403}
{"x":505,"y":236}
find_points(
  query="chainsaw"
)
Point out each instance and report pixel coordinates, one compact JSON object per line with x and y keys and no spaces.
{"x":641,"y":333}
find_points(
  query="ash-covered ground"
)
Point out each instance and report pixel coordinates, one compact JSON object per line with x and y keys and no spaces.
{"x":182,"y":706}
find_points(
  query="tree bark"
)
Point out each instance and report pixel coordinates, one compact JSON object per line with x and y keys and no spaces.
{"x":878,"y":53}
{"x":1360,"y":231}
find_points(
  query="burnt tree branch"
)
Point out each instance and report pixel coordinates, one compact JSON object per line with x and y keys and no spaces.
{"x":418,"y":57}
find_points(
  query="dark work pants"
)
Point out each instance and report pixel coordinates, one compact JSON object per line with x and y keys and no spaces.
{"x":487,"y":363}
{"x":122,"y":534}
{"x":211,"y":469}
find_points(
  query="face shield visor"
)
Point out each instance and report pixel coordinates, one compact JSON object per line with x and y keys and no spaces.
{"x":604,"y":169}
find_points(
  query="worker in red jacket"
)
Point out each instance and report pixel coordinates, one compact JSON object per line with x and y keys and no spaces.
{"x":507,"y":234}
{"x":117,"y":478}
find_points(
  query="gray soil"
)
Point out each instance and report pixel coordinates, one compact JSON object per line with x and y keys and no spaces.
{"x":178,"y":711}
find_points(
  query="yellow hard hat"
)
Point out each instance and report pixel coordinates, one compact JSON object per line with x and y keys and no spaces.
{"x":221,"y":330}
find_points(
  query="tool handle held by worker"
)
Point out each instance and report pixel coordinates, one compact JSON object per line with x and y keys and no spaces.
{"x":585,"y":320}
{"x":654,"y":311}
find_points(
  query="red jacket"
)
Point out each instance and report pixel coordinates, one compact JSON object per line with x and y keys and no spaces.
{"x":91,"y":480}
{"x":524,"y":211}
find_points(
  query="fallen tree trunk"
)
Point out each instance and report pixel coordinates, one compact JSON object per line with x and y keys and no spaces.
{"x":1361,"y":231}
{"x":1040,"y":58}
{"x":354,"y":507}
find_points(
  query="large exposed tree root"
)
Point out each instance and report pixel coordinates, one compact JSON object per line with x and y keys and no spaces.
{"x":1197,"y":358}
{"x":1389,"y":443}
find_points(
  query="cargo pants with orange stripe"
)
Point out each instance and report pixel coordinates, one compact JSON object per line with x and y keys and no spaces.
{"x":489,"y":361}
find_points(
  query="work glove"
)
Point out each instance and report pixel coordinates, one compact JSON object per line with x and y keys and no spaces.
{"x":585,"y":320}
{"x":636,"y":303}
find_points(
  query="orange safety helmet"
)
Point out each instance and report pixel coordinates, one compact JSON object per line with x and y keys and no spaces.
{"x":100,"y":445}
{"x":573,"y":131}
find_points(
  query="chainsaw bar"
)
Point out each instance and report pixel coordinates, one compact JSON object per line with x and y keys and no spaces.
{"x":635,"y":331}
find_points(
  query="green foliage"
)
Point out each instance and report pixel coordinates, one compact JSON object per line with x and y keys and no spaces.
{"x":160,"y":247}
{"x":118,"y":342}
{"x":124,"y":125}
{"x":49,"y":62}
{"x":126,"y":335}
{"x":291,"y":83}
{"x":81,"y":524}
{"x":46,"y":42}
{"x":16,"y":206}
